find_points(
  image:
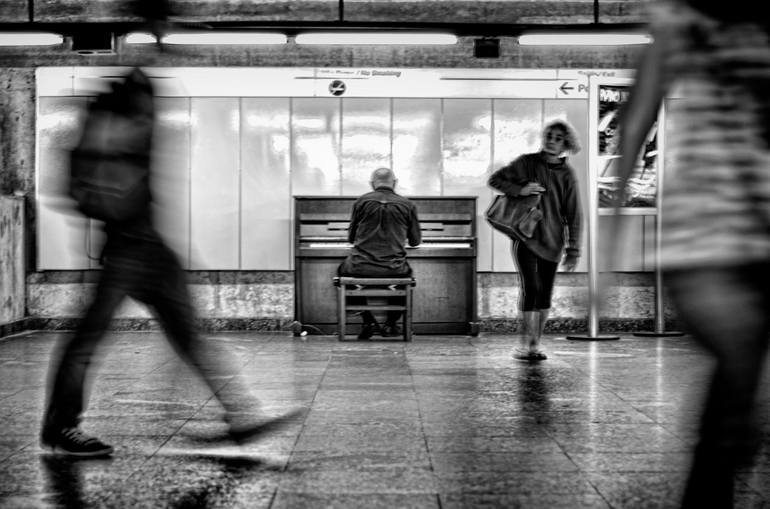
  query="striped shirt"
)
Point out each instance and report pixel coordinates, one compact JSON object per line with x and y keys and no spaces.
{"x":716,"y":200}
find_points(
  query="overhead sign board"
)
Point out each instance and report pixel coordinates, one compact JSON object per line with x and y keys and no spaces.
{"x":332,"y":82}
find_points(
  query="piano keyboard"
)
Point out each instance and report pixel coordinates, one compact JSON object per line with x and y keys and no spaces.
{"x":424,"y":245}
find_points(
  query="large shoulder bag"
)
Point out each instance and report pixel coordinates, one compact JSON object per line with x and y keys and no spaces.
{"x":516,"y":217}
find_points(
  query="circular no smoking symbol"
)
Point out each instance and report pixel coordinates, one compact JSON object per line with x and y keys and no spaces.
{"x":337,"y":87}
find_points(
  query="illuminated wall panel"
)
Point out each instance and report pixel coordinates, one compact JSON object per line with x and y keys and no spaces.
{"x":315,"y":146}
{"x":576,"y":113}
{"x":365,"y":142}
{"x":171,"y":174}
{"x":62,"y":232}
{"x":266,"y":229}
{"x":417,"y":146}
{"x":467,"y":152}
{"x":215,"y":181}
{"x":517,"y":125}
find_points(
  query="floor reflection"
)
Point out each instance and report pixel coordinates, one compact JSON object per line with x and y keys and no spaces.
{"x":534,"y":393}
{"x":213,"y":478}
{"x":64,"y":479}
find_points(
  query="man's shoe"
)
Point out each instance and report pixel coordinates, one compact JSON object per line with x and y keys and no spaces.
{"x":73,"y":442}
{"x":391,"y":331}
{"x":368,"y":330}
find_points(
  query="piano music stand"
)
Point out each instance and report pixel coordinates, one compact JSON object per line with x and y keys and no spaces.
{"x":374,"y":287}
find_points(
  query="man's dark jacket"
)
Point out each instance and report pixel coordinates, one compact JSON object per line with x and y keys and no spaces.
{"x":382,"y":223}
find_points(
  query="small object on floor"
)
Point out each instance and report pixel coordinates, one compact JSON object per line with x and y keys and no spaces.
{"x":391,"y":331}
{"x":368,"y":330}
{"x":529,"y":355}
{"x":73,"y":442}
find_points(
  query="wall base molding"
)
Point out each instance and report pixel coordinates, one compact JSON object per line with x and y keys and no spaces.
{"x":492,"y":326}
{"x":15,"y":327}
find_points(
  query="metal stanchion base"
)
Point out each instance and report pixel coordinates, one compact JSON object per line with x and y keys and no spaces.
{"x":600,"y":337}
{"x":658,"y":334}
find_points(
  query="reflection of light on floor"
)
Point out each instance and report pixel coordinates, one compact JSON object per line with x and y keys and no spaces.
{"x":228,"y":452}
{"x":593,"y":354}
{"x":155,"y":402}
{"x":660,"y":387}
{"x":592,"y":383}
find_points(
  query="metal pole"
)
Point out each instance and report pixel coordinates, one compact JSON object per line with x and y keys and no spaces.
{"x":659,"y":327}
{"x":593,"y":221}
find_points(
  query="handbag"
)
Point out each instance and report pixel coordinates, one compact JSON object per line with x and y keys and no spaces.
{"x":516,"y":217}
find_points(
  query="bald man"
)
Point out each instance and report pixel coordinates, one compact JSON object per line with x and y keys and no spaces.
{"x":381,"y":225}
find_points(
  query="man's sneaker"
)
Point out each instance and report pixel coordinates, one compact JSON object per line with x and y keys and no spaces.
{"x":73,"y":442}
{"x":391,"y":331}
{"x":368,"y":330}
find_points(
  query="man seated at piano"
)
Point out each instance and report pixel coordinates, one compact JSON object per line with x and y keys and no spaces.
{"x":381,"y":224}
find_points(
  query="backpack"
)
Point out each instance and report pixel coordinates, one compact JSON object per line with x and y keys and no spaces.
{"x":110,"y":166}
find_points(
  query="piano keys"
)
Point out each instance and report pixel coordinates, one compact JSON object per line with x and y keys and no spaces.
{"x":444,"y":264}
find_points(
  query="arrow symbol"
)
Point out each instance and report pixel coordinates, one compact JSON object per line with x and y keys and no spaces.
{"x":564,"y":88}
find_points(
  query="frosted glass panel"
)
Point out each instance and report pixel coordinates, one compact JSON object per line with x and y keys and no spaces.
{"x":315,"y":150}
{"x":576,"y":113}
{"x":62,"y":232}
{"x":467,"y":149}
{"x":417,"y":146}
{"x":266,"y":230}
{"x":365,"y":142}
{"x":629,"y":245}
{"x":518,"y":124}
{"x":214,"y":202}
{"x":171,"y":174}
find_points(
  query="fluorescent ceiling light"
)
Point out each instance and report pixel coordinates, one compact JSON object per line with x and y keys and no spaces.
{"x":30,"y":39}
{"x":375,"y":38}
{"x":198,"y":38}
{"x":584,"y":39}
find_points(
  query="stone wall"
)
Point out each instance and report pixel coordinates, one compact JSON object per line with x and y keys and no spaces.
{"x":12,"y":299}
{"x":265,"y":301}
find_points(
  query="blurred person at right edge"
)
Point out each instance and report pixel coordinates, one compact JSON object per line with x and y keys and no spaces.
{"x":715,"y":213}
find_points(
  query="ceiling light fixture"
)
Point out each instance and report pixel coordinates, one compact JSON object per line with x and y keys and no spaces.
{"x":30,"y":39}
{"x":583,"y":39}
{"x":375,"y":38}
{"x":209,"y":38}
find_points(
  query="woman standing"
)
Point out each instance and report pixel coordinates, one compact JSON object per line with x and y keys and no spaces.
{"x":545,"y":173}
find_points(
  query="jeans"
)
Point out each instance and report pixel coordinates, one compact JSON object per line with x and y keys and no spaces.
{"x":726,"y":309}
{"x":149,"y":272}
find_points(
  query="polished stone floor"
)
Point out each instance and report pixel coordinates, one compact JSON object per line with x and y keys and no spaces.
{"x":442,"y":422}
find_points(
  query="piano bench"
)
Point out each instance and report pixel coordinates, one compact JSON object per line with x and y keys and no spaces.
{"x":374,"y":287}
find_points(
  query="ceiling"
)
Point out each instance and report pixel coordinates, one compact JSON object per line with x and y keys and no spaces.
{"x":482,"y":17}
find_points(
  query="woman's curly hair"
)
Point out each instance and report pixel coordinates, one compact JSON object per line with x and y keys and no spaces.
{"x":571,"y":141}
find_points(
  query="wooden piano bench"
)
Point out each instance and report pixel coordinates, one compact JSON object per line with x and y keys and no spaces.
{"x":382,"y":287}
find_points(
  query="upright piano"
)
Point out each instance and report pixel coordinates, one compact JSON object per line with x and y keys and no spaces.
{"x":444,"y":265}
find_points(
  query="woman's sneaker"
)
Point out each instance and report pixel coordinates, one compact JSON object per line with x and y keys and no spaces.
{"x":73,"y":442}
